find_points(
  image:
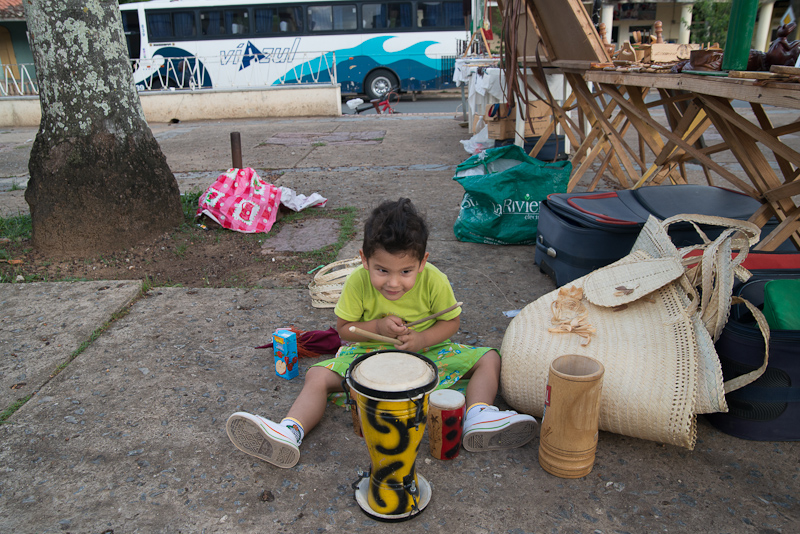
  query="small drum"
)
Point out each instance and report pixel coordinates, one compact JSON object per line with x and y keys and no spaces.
{"x":445,"y":423}
{"x":392,"y":389}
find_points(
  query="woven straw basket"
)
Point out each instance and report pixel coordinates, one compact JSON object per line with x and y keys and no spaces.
{"x":326,"y":287}
{"x":660,"y":365}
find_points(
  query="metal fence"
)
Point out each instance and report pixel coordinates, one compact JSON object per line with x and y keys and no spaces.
{"x":17,"y":80}
{"x":195,"y":73}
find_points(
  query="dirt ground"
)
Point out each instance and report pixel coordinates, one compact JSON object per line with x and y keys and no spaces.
{"x":197,"y":254}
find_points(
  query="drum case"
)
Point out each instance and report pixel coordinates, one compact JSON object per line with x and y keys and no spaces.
{"x":769,"y":408}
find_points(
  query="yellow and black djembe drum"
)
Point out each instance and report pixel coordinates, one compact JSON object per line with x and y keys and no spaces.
{"x":391,"y":394}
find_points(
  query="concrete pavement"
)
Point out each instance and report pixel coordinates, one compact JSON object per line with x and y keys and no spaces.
{"x":129,"y":436}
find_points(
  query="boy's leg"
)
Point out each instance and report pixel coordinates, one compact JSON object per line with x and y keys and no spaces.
{"x":484,"y":378}
{"x":309,"y":406}
{"x":279,"y":443}
{"x":485,"y":426}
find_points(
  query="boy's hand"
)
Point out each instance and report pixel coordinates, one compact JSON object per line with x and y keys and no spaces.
{"x":412,"y":341}
{"x":391,"y":326}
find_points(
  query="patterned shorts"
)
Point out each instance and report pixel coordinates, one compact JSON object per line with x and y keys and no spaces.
{"x":453,"y":360}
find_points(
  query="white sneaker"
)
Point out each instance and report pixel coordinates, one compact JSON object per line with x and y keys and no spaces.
{"x":492,"y":429}
{"x":263,"y":439}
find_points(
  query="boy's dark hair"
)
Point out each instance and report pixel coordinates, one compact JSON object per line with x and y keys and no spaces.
{"x":396,"y":226}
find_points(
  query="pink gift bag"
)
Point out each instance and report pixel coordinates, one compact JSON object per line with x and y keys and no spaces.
{"x":239,"y":200}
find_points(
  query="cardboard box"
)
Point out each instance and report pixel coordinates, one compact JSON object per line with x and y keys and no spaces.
{"x":502,"y":126}
{"x":284,"y":344}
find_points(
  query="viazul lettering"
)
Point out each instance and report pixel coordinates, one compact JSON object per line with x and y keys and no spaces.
{"x":252,"y":54}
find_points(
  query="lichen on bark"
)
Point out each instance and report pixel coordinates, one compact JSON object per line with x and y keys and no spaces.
{"x":98,"y":179}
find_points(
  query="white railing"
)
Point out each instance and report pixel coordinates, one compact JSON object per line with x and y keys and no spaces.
{"x":17,"y":80}
{"x":194,"y":73}
{"x":223,"y":72}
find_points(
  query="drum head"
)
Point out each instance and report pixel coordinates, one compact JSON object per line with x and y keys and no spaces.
{"x":447,"y":399}
{"x":393,"y":371}
{"x":391,"y":375}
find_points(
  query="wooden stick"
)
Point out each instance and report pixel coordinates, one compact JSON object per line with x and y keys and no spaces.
{"x":435,"y":315}
{"x":376,"y":337}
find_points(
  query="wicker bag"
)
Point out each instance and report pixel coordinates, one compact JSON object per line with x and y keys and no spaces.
{"x":647,"y":329}
{"x":326,"y":287}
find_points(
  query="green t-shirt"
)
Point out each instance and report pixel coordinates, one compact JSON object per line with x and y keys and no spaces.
{"x":431,"y":293}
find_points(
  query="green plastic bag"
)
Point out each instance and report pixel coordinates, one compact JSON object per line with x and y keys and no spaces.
{"x":503,"y":188}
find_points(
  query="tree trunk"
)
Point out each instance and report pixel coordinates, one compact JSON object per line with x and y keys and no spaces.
{"x":98,"y":179}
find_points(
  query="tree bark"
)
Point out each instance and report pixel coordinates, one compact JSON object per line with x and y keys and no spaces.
{"x":98,"y":179}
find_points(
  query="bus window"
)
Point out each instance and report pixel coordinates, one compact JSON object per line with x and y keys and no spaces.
{"x":440,"y":14}
{"x":327,"y":18}
{"x":165,"y":26}
{"x":278,"y":19}
{"x":237,"y":20}
{"x":211,"y":23}
{"x":393,"y":15}
{"x":130,"y":23}
{"x":227,"y":22}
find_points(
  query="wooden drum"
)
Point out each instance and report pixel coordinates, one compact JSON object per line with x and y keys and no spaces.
{"x":568,"y":438}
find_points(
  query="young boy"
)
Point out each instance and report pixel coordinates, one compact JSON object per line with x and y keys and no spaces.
{"x":395,"y":285}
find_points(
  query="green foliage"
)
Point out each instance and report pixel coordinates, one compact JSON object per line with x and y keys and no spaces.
{"x":8,"y":412}
{"x":710,"y":22}
{"x":190,"y":200}
{"x":18,"y":227}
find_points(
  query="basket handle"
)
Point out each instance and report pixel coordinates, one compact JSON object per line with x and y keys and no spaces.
{"x":740,"y":381}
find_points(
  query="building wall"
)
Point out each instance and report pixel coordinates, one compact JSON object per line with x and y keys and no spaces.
{"x":669,"y":13}
{"x":19,"y":38}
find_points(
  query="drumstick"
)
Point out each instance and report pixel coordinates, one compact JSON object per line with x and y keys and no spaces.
{"x":435,"y":315}
{"x":376,"y":337}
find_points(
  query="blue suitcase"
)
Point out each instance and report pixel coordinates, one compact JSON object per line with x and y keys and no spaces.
{"x":580,"y":232}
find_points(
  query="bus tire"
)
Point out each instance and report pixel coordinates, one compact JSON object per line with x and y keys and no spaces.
{"x":380,"y":82}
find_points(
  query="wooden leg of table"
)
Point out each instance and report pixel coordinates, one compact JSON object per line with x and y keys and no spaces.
{"x":755,"y":165}
{"x":766,"y":124}
{"x":631,"y":110}
{"x":603,"y":165}
{"x":789,"y":228}
{"x":617,"y":143}
{"x":543,"y":138}
{"x":578,"y":173}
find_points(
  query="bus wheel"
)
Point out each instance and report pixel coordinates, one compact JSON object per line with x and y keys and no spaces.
{"x":380,"y":82}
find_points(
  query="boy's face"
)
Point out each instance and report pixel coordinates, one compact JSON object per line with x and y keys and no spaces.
{"x":393,"y":275}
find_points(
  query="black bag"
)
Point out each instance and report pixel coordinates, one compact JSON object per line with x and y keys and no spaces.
{"x":769,"y":408}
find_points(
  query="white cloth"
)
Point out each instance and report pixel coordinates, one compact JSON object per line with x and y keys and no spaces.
{"x":354,"y":103}
{"x":296,"y":201}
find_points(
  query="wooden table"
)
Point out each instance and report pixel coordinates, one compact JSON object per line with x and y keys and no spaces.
{"x":693,"y":103}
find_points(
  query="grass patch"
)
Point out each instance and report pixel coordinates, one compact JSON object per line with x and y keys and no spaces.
{"x":8,"y":412}
{"x":17,"y":227}
{"x":189,"y":202}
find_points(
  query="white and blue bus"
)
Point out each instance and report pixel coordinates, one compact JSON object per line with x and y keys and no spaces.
{"x":368,"y":46}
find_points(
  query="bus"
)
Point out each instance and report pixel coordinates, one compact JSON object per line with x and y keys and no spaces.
{"x":368,"y":46}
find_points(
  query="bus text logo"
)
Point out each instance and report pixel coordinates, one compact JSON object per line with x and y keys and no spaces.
{"x":247,"y":53}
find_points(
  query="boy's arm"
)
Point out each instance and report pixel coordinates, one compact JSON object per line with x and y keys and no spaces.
{"x":390,"y":326}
